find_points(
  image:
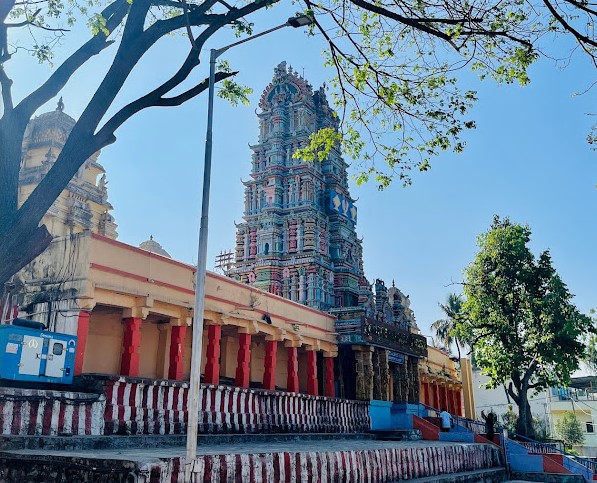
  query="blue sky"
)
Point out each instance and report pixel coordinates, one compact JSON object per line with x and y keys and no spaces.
{"x":528,"y":159}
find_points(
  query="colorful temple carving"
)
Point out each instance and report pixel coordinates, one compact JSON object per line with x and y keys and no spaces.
{"x":298,"y":240}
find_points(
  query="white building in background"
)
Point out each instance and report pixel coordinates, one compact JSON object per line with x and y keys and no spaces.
{"x":581,"y":399}
{"x":498,"y":401}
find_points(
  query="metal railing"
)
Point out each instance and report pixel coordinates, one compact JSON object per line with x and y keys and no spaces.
{"x":474,"y":426}
{"x":545,"y":448}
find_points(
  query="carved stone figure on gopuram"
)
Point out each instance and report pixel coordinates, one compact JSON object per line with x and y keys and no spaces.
{"x":298,"y":240}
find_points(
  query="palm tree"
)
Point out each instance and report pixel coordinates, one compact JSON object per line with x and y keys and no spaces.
{"x":445,"y":328}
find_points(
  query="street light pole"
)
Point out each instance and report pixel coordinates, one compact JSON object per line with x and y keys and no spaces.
{"x":199,"y":307}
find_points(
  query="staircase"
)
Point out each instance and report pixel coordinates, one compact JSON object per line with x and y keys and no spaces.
{"x":463,"y":431}
{"x":525,"y":457}
{"x":529,"y":456}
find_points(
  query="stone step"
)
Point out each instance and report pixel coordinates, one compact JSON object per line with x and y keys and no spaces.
{"x":490,"y":475}
{"x":325,"y":461}
{"x":69,"y":443}
{"x":398,"y":435}
{"x":519,"y":476}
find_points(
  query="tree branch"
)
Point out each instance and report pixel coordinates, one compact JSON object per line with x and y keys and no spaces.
{"x":512,"y":394}
{"x":114,"y":14}
{"x":6,"y":85}
{"x":582,"y":6}
{"x":25,"y":22}
{"x":82,"y":142}
{"x":5,"y":8}
{"x":404,"y":20}
{"x":105,"y":135}
{"x":579,"y":37}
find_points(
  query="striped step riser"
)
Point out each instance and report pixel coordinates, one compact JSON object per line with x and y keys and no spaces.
{"x":160,"y":408}
{"x":228,"y":410}
{"x":375,"y":466}
{"x":51,"y":417}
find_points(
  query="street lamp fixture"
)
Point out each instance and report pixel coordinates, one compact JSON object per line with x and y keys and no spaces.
{"x":300,"y":21}
{"x":199,"y":307}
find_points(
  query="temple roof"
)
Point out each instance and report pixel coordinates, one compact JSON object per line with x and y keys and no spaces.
{"x":154,"y":247}
{"x":49,"y":129}
{"x":286,"y":86}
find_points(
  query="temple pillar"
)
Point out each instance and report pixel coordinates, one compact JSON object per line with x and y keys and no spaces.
{"x":364,"y":386}
{"x":402,"y":382}
{"x":446,"y":397}
{"x":459,"y":402}
{"x":395,"y":383}
{"x":129,"y":363}
{"x":426,"y":398}
{"x":442,"y":397}
{"x":376,"y":375}
{"x":436,"y":398}
{"x":82,"y":333}
{"x":176,"y":355}
{"x":413,"y":378}
{"x":212,"y":354}
{"x":269,"y":374}
{"x":328,"y":388}
{"x":312,"y":383}
{"x":384,"y":374}
{"x":292,"y":384}
{"x":243,"y":360}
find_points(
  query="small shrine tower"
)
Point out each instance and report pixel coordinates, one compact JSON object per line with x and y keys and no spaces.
{"x":83,"y":205}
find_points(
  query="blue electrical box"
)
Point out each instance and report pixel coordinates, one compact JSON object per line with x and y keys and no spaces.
{"x":33,"y":354}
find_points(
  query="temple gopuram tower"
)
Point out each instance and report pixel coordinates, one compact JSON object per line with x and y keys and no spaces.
{"x":298,"y":238}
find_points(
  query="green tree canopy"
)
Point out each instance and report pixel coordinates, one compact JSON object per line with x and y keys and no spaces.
{"x":569,"y":428}
{"x":395,"y":79}
{"x":519,"y":317}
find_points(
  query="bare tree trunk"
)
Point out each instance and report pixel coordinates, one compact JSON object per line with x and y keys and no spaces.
{"x":21,"y":240}
{"x":19,"y":246}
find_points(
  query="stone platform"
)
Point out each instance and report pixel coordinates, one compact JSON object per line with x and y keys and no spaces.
{"x":328,"y":460}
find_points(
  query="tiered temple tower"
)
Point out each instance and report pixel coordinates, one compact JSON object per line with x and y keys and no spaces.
{"x":298,"y":238}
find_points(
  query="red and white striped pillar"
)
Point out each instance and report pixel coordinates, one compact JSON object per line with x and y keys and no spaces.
{"x":328,"y":387}
{"x":243,"y":361}
{"x":212,"y":355}
{"x":176,"y":355}
{"x":312,"y":382}
{"x":269,"y":374}
{"x":292,"y":384}
{"x":129,"y":364}
{"x":82,"y":333}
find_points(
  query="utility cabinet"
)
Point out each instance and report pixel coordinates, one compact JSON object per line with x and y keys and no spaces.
{"x":29,"y":354}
